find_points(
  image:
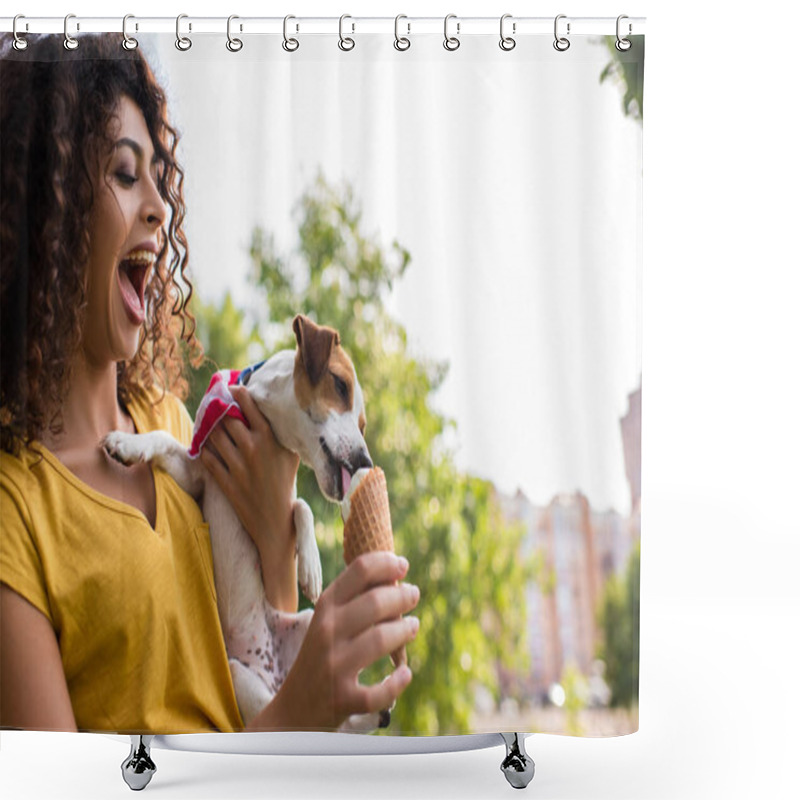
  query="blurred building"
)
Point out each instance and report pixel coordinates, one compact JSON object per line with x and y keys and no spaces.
{"x":580,"y":549}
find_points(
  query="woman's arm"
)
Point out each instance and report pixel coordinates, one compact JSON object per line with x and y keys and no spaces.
{"x":33,"y":689}
{"x":258,"y":477}
{"x":357,"y":620}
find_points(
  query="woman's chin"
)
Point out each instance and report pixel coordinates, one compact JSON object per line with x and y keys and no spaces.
{"x":127,"y":335}
{"x":124,"y":343}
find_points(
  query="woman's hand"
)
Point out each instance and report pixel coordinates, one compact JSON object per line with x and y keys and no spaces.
{"x":258,"y":477}
{"x":357,"y":620}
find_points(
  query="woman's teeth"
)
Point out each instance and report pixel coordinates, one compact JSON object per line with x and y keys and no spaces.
{"x":141,"y":257}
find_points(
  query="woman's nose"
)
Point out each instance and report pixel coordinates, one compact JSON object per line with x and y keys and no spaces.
{"x":154,"y":208}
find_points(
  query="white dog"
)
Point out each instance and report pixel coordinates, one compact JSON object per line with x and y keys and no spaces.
{"x":315,"y":406}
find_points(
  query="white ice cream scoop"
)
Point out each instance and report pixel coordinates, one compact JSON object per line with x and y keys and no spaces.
{"x":356,"y":479}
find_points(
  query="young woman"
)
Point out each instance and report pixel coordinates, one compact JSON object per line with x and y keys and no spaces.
{"x":107,"y":606}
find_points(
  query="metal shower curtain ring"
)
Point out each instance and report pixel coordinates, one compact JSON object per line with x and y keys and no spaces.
{"x":451,"y":43}
{"x":401,"y":43}
{"x":19,"y":42}
{"x":289,"y":44}
{"x":182,"y":42}
{"x":234,"y":45}
{"x":128,"y":42}
{"x":346,"y":43}
{"x":561,"y":43}
{"x":506,"y":42}
{"x":623,"y":44}
{"x":69,"y":42}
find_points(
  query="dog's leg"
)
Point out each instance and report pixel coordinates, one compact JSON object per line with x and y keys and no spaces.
{"x":161,"y":449}
{"x":362,"y":723}
{"x":252,"y":693}
{"x":309,"y":567}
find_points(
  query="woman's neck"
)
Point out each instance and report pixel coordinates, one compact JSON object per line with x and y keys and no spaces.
{"x":90,"y":410}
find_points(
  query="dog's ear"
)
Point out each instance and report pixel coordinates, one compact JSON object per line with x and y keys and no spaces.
{"x":315,"y":344}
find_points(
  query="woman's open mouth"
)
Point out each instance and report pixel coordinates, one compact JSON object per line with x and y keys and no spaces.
{"x":132,"y":276}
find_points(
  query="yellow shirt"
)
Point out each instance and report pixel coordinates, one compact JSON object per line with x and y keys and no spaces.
{"x":133,"y":608}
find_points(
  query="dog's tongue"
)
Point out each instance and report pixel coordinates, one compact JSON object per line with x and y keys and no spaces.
{"x":351,"y":482}
{"x":346,"y":478}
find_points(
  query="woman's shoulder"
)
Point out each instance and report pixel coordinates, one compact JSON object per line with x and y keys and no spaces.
{"x":15,"y":468}
{"x":154,"y":409}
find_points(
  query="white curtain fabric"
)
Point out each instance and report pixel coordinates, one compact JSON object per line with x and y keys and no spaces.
{"x":513,"y":178}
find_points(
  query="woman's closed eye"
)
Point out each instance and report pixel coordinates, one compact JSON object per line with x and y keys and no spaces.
{"x":125,"y":178}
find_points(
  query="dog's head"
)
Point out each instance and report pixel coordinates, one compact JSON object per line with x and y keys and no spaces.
{"x":316,"y":407}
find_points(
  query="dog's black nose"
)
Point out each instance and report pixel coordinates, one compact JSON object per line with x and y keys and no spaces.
{"x":361,"y":459}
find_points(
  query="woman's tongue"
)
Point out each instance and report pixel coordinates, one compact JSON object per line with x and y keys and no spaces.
{"x":130,"y":297}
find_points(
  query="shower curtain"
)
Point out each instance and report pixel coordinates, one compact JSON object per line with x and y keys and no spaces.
{"x":469,"y":220}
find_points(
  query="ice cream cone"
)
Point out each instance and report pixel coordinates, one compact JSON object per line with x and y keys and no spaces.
{"x":368,"y":527}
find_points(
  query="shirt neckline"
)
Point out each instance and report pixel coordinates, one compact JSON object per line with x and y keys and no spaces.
{"x":103,"y":499}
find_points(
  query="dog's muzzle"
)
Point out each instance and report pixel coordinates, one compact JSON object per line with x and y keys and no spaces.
{"x":356,"y":460}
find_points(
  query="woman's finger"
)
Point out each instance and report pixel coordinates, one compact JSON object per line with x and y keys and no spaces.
{"x":379,"y":604}
{"x":368,"y":570}
{"x":217,"y":469}
{"x":372,"y":699}
{"x":255,"y":419}
{"x":378,"y":641}
{"x":209,"y":451}
{"x":222,"y":441}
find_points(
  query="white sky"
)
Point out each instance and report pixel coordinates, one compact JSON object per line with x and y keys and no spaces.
{"x":513,"y":179}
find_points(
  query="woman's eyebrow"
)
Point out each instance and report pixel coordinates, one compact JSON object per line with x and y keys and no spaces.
{"x":136,"y":147}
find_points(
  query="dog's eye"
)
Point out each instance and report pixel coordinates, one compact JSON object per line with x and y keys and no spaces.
{"x":341,"y":388}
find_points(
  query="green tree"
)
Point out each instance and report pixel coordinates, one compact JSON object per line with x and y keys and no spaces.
{"x":222,"y":330}
{"x":619,"y":622}
{"x":463,"y":555}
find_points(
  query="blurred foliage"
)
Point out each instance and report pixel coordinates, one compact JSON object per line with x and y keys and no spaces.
{"x":463,"y":555}
{"x":221,"y":329}
{"x":619,"y":623}
{"x":576,"y":693}
{"x":626,"y":68}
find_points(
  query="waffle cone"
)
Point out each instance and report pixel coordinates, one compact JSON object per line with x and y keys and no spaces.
{"x":369,"y":526}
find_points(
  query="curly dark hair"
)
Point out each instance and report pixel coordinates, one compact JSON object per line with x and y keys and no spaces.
{"x":55,"y":111}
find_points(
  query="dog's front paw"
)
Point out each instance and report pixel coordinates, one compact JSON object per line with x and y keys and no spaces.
{"x":309,"y":573}
{"x":309,"y":568}
{"x":123,"y":447}
{"x":366,"y":723}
